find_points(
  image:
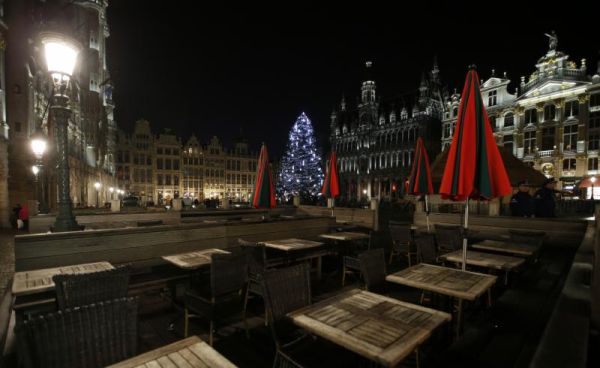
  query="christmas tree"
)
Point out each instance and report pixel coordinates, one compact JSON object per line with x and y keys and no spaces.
{"x":300,"y":171}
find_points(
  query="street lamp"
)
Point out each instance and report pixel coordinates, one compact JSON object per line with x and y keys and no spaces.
{"x":593,"y":180}
{"x":61,"y":57}
{"x":38,"y":146}
{"x":97,"y":185}
{"x":111,"y":190}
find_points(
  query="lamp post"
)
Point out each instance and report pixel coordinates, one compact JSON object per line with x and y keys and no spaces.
{"x":61,"y":56}
{"x":38,"y":146}
{"x":97,"y":185}
{"x":593,"y":180}
{"x":111,"y":190}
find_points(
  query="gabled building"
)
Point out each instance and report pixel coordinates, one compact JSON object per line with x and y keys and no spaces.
{"x":375,"y":139}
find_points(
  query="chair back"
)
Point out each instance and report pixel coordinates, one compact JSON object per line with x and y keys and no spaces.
{"x":94,"y":335}
{"x":257,"y":256}
{"x":73,"y":290}
{"x":287,"y":289}
{"x":401,"y":235}
{"x":372,"y":266}
{"x":448,"y":236}
{"x":228,"y":273}
{"x":535,"y":238}
{"x":426,"y":248}
{"x":283,"y":360}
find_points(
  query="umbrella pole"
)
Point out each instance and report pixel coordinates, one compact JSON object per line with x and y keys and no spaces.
{"x":464,"y":255}
{"x":427,"y":212}
{"x":332,"y":205}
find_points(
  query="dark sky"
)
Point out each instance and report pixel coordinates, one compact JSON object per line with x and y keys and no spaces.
{"x":218,"y":68}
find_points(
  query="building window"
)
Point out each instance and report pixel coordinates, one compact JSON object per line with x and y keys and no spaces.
{"x":594,"y":140}
{"x":548,"y":138}
{"x":549,"y":112}
{"x":531,"y":116}
{"x":570,"y":137}
{"x":149,"y":175}
{"x":159,"y":179}
{"x":492,"y":120}
{"x":595,"y":100}
{"x":529,"y":141}
{"x":175,"y":152}
{"x":509,"y":119}
{"x":594,"y":121}
{"x":569,"y":164}
{"x":446,"y":131}
{"x":508,"y":142}
{"x":159,"y":150}
{"x":167,"y":164}
{"x":593,"y":163}
{"x":175,"y":164}
{"x":571,"y":109}
{"x":175,"y":180}
{"x":167,"y":179}
{"x":148,"y":160}
{"x":492,"y":98}
{"x":455,"y":112}
{"x":159,"y":163}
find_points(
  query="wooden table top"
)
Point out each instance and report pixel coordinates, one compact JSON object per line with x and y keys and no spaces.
{"x":36,"y":281}
{"x":482,"y":259}
{"x":345,"y":236}
{"x":292,"y":244}
{"x":193,"y":260}
{"x":186,"y":353}
{"x":443,"y":280}
{"x":379,"y":328}
{"x":506,"y":247}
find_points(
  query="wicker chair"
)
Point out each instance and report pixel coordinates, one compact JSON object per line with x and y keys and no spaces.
{"x":372,"y":265}
{"x":257,"y":261}
{"x":402,"y":242}
{"x":448,"y":237}
{"x":426,"y":250}
{"x":285,"y":290}
{"x":228,"y":277}
{"x":73,"y":290}
{"x":94,"y":335}
{"x":351,"y":265}
{"x":283,"y":360}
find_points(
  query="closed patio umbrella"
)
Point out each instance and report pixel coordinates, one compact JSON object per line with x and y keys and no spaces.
{"x":331,"y":185}
{"x":474,"y":169}
{"x":264,"y":193}
{"x":419,"y":182}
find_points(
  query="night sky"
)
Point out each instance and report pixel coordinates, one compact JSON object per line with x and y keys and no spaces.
{"x":217,"y":69}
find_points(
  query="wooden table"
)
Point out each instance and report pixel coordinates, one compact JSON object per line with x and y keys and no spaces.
{"x":193,"y":260}
{"x":462,"y":285}
{"x":345,"y":236}
{"x":379,"y":328}
{"x":488,"y":260}
{"x":190,"y":352}
{"x":293,"y":245}
{"x":37,"y":281}
{"x":506,"y":247}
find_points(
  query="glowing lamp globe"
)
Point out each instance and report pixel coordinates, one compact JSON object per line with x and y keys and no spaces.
{"x":593,"y":179}
{"x":35,"y":170}
{"x":97,"y":185}
{"x":38,"y":145}
{"x":61,"y":54}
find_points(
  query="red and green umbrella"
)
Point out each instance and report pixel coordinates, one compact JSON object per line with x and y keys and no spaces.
{"x":264,"y":193}
{"x":331,"y":185}
{"x":419,"y":182}
{"x":474,"y":169}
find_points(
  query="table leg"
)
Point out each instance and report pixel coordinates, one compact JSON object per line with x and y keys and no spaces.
{"x":319,"y":267}
{"x":459,"y":318}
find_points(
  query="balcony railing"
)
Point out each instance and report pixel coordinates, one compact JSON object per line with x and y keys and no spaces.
{"x":545,"y":153}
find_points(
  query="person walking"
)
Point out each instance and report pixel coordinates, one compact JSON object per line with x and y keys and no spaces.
{"x":24,"y":216}
{"x":545,"y":199}
{"x":521,"y":203}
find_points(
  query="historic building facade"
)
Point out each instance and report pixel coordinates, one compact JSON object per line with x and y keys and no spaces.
{"x":160,"y":168}
{"x":375,"y":140}
{"x":92,"y":130}
{"x":551,"y":121}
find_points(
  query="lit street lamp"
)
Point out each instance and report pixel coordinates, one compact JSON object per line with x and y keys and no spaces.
{"x":97,"y":185}
{"x":111,"y":190}
{"x":61,"y":57}
{"x":593,"y":180}
{"x":38,"y":146}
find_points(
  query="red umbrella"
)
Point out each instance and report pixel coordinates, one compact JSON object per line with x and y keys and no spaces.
{"x":419,"y":182}
{"x":264,"y":193}
{"x":331,"y":185}
{"x":474,"y":168}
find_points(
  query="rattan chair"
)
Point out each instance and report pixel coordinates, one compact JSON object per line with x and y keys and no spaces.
{"x":449,"y":237}
{"x":73,"y":290}
{"x":351,"y":265}
{"x":372,"y":265}
{"x":285,"y":290}
{"x":228,"y":278}
{"x":257,"y":264}
{"x":94,"y":335}
{"x":426,"y":249}
{"x":402,"y":242}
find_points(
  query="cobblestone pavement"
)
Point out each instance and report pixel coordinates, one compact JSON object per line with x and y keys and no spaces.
{"x":7,"y":259}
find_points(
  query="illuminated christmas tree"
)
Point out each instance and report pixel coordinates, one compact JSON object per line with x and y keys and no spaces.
{"x":300,"y":169}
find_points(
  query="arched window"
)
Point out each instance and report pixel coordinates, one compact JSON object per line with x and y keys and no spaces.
{"x":509,"y":120}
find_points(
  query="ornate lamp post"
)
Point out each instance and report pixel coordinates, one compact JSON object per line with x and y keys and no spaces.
{"x":38,"y":146}
{"x":97,"y":185}
{"x":61,"y":56}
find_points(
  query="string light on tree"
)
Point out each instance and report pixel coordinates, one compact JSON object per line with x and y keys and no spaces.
{"x":300,"y":171}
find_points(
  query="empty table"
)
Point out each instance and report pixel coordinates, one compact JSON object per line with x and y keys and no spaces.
{"x":487,"y":260}
{"x":293,"y":245}
{"x":506,"y":247}
{"x":190,"y":352}
{"x":462,"y":285}
{"x":345,"y":236}
{"x":193,"y":260}
{"x":37,"y":281}
{"x":379,"y":328}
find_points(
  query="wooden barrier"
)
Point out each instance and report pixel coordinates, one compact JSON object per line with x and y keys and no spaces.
{"x":357,"y":216}
{"x":145,"y":246}
{"x":558,"y":230}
